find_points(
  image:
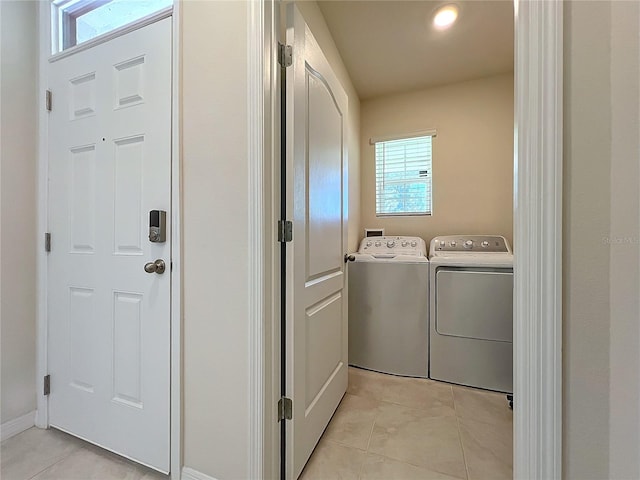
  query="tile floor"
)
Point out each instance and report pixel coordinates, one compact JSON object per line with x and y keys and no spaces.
{"x":52,"y":455}
{"x":386,"y":428}
{"x":393,"y":428}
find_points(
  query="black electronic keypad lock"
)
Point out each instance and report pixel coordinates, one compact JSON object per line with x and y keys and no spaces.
{"x":157,"y":226}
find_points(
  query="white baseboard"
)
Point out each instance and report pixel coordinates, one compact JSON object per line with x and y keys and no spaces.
{"x":191,"y":474}
{"x":17,"y":425}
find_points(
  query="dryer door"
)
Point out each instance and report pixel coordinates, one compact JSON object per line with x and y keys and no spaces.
{"x":474,"y":303}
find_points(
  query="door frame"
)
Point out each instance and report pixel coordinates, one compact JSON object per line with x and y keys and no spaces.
{"x":44,"y":55}
{"x":538,"y":136}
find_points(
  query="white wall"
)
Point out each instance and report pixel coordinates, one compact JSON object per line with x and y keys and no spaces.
{"x":587,"y":198}
{"x":215,"y":222}
{"x":18,"y":139}
{"x":624,"y":243}
{"x":472,"y":156}
{"x":601,"y":348}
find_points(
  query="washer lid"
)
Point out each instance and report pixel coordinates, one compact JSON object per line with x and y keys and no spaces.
{"x":389,"y":258}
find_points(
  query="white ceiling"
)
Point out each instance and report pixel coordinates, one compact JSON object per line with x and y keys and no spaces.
{"x":391,"y":46}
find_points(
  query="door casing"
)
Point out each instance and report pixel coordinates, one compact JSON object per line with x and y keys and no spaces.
{"x":44,"y":57}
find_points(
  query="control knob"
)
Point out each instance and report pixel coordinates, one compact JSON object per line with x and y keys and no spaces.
{"x":468,"y":244}
{"x":404,"y":244}
{"x":453,"y":243}
{"x":391,"y":244}
{"x":378,"y":244}
{"x":414,"y":243}
{"x":368,"y":244}
{"x":485,"y":244}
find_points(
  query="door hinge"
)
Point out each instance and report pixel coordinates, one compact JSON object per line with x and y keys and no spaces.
{"x":47,"y":242}
{"x":285,"y":55}
{"x":285,"y":409}
{"x":46,"y":390}
{"x":285,"y":231}
{"x":48,"y":100}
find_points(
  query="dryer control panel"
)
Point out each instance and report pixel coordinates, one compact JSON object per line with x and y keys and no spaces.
{"x":392,"y":246}
{"x":470,"y":243}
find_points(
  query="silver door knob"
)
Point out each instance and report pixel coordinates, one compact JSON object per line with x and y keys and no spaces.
{"x":155,"y":267}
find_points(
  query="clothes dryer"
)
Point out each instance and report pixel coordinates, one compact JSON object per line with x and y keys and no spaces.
{"x":471,"y":317}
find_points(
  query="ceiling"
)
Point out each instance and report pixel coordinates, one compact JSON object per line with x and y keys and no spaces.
{"x":391,"y":46}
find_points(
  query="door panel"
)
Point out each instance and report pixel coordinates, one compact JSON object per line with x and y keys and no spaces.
{"x":316,"y":189}
{"x":109,"y":165}
{"x":324,"y":210}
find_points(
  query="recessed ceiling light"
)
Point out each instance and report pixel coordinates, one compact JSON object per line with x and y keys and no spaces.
{"x":445,"y":16}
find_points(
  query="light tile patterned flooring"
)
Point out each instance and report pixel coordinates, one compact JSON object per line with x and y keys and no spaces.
{"x":386,"y":428}
{"x":52,"y":455}
{"x":393,"y":428}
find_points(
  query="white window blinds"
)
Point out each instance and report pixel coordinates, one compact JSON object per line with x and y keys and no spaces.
{"x":403,"y":176}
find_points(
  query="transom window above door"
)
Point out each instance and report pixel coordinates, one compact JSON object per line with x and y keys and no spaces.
{"x":78,"y":21}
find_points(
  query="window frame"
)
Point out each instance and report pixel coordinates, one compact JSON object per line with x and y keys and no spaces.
{"x":374,"y":141}
{"x":64,"y":14}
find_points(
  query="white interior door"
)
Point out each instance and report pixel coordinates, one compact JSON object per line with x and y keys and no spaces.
{"x":108,"y":319}
{"x":317,"y":202}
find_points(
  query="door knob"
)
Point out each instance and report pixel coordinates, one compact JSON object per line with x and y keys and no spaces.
{"x":155,"y":267}
{"x":349,"y":258}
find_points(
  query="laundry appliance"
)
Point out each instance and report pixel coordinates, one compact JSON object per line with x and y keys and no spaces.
{"x":389,"y":306}
{"x":471,"y":311}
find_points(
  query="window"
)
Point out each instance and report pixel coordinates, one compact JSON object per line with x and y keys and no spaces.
{"x":403,"y":176}
{"x":83,"y":20}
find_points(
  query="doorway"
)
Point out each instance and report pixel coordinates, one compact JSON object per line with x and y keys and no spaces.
{"x":531,"y":34}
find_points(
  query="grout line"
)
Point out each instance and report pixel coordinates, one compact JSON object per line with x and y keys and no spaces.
{"x":455,"y":411}
{"x":53,"y":464}
{"x":63,"y":457}
{"x":464,"y":455}
{"x":373,"y":425}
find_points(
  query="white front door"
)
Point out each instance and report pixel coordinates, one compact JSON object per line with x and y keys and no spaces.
{"x":108,"y":319}
{"x":317,"y":202}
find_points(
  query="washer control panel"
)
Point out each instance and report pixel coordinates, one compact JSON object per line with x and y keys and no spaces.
{"x":392,"y":246}
{"x":470,"y":243}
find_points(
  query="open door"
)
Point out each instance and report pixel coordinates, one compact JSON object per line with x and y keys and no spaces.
{"x":316,"y":201}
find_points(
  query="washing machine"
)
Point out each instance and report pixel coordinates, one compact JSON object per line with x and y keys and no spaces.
{"x":389,"y":306}
{"x":471,"y":311}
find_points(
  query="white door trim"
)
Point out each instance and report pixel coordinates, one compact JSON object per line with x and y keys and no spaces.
{"x":537,"y":239}
{"x":256,"y":120}
{"x":176,"y":246}
{"x":44,"y":55}
{"x":44,"y":52}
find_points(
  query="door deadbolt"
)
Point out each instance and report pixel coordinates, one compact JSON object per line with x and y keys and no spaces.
{"x":155,"y":267}
{"x":157,"y":226}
